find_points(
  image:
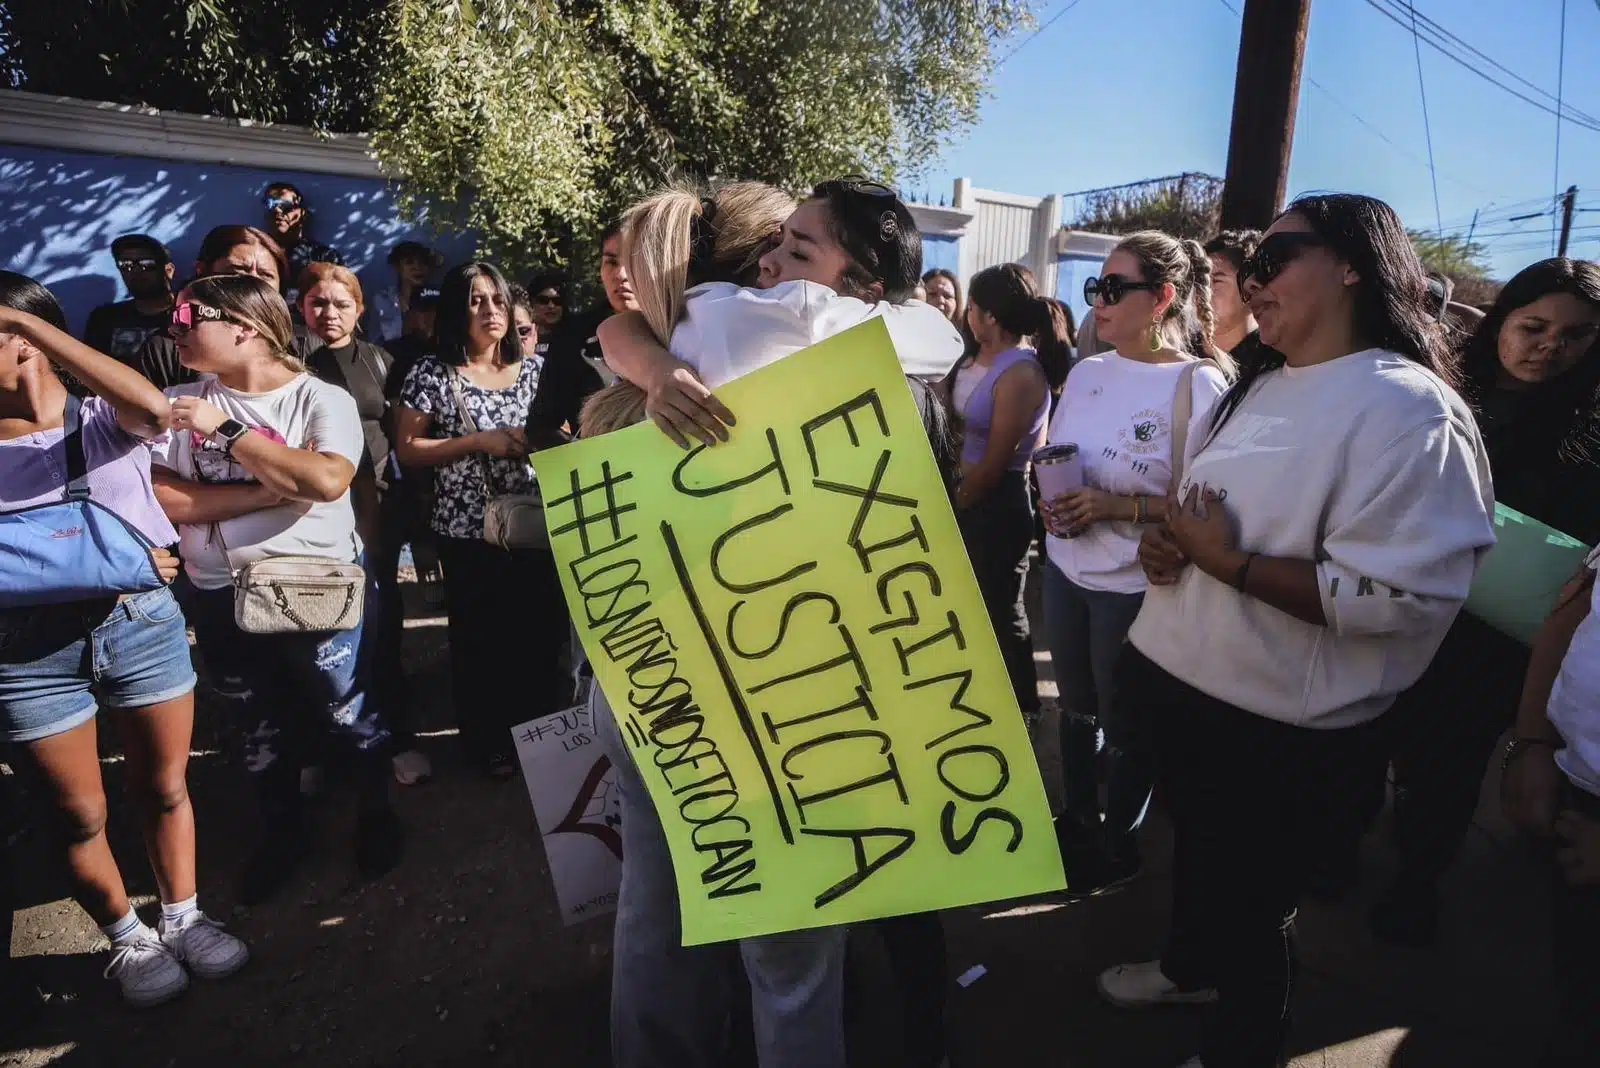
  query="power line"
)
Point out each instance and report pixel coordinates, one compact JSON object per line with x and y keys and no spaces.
{"x":1582,"y":121}
{"x":1561,"y":84}
{"x":1371,"y":128}
{"x":1020,"y":45}
{"x":1427,"y":127}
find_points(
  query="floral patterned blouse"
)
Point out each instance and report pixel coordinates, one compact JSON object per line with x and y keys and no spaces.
{"x":462,"y":487}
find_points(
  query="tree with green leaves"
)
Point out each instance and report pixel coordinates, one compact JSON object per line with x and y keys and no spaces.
{"x":1452,"y":255}
{"x":533,"y":121}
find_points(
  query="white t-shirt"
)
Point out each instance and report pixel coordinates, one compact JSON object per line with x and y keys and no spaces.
{"x":303,"y":409}
{"x":1369,"y":466}
{"x":727,"y":331}
{"x":1574,"y":708}
{"x":968,"y":379}
{"x":1119,"y":413}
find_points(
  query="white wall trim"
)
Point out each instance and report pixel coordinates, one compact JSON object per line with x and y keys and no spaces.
{"x":120,"y":129}
{"x":936,"y":221}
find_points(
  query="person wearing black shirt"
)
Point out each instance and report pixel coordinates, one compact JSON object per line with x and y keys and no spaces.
{"x":1531,"y":371}
{"x":120,"y":330}
{"x":332,"y":306}
{"x":573,"y":365}
{"x":289,"y":223}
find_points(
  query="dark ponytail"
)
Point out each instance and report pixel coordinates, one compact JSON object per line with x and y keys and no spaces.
{"x":1010,"y":294}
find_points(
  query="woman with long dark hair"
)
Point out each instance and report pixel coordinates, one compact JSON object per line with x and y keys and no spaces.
{"x":1001,"y":390}
{"x":463,"y":411}
{"x":1532,"y":371}
{"x":1323,"y":539}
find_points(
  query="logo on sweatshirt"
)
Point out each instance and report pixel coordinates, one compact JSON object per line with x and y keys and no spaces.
{"x":1144,"y":434}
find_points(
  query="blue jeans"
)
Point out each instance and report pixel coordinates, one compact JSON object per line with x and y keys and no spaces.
{"x":1087,"y":630}
{"x":304,"y":688}
{"x":670,"y":1003}
{"x":55,"y":658}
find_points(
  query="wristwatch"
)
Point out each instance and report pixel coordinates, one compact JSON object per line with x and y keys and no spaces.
{"x":230,"y":431}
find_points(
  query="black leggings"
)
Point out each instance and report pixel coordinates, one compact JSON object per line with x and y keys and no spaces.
{"x":1253,"y":801}
{"x":508,"y":622}
{"x":998,"y":532}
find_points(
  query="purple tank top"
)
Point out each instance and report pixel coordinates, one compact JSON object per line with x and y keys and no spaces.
{"x":978,"y":415}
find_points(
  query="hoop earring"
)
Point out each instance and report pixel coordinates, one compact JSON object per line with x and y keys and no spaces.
{"x":1155,"y":337}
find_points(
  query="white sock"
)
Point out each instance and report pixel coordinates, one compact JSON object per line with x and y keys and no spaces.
{"x":124,"y":930}
{"x":178,"y":913}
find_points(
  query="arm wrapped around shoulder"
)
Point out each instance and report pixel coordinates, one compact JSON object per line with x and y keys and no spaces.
{"x":1406,"y":533}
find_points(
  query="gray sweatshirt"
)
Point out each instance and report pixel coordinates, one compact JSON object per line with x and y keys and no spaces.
{"x":1370,"y":466}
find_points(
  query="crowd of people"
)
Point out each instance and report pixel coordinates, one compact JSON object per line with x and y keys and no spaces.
{"x":1289,"y":447}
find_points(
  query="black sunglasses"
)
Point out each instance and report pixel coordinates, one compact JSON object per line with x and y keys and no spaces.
{"x":283,"y":204}
{"x":548,"y":301}
{"x":1112,"y":288}
{"x":1274,"y":254}
{"x":144,"y":264}
{"x":525,"y":330}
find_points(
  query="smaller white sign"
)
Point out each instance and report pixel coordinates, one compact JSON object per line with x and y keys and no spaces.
{"x":578,"y":809}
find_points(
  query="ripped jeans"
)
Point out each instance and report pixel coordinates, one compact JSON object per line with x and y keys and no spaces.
{"x":306,"y":690}
{"x":1087,"y":631}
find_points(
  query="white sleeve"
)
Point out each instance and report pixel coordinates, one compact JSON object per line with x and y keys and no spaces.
{"x":166,"y":450}
{"x":927,"y":343}
{"x":1402,"y":558}
{"x":335,"y":424}
{"x":728,"y":331}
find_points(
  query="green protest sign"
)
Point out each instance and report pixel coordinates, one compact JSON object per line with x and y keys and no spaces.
{"x":791,"y":637}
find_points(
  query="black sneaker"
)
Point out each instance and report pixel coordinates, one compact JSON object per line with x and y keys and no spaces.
{"x":380,"y":842}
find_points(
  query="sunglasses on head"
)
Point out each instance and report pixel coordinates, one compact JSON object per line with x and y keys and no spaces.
{"x":283,"y":204}
{"x":1274,"y":254}
{"x":147,"y":263}
{"x":1112,"y":288}
{"x":188,"y":315}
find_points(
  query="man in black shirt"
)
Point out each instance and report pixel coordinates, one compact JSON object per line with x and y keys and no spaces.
{"x":120,"y":329}
{"x":574,"y":367}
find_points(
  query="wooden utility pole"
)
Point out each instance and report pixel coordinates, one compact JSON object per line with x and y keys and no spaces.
{"x":1266,"y":92}
{"x":1569,"y":201}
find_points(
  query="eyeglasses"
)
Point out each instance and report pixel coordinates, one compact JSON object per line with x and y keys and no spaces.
{"x":525,"y":330}
{"x":144,"y":264}
{"x":1274,"y":254}
{"x":188,"y":315}
{"x":547,"y":301}
{"x":281,"y":204}
{"x":1112,"y":288}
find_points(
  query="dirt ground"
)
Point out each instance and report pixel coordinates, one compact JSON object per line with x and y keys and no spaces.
{"x":460,"y":958}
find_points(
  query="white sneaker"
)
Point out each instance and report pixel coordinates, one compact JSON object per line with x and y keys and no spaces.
{"x":208,"y":950}
{"x":1140,"y":986}
{"x":412,"y":768}
{"x":147,"y":971}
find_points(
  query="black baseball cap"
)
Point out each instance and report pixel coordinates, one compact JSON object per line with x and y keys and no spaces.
{"x":415,"y":248}
{"x":128,"y":244}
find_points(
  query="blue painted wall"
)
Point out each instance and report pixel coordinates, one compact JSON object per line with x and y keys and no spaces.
{"x":940,"y":251}
{"x":1071,"y":273}
{"x":60,"y":210}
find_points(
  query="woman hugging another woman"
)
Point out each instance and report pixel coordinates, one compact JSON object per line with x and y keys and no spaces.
{"x":688,"y":256}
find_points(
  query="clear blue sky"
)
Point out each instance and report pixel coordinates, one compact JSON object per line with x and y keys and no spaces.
{"x":1119,"y":90}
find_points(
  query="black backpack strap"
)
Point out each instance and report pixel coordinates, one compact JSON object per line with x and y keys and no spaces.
{"x":72,"y":441}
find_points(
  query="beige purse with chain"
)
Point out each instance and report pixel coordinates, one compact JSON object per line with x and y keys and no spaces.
{"x":290,"y":594}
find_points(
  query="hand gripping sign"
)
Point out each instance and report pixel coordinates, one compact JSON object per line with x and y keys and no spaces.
{"x":791,"y":637}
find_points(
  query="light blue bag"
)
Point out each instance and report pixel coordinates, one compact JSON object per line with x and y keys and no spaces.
{"x":74,"y":549}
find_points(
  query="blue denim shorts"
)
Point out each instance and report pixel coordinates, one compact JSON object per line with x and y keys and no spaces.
{"x":55,"y":661}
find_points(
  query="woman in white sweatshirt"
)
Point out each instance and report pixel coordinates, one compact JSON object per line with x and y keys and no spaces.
{"x":1323,"y":539}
